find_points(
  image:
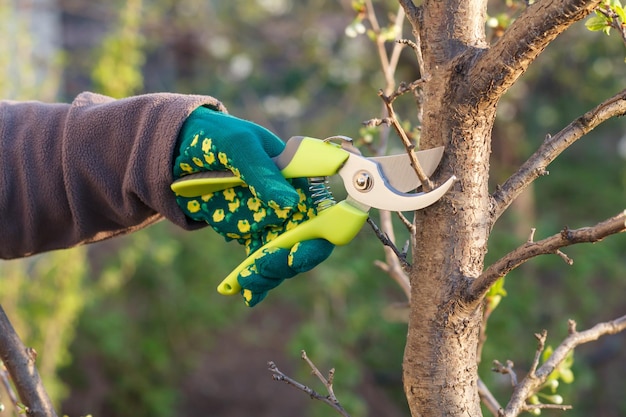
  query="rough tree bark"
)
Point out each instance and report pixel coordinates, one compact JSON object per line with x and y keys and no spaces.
{"x":465,"y":79}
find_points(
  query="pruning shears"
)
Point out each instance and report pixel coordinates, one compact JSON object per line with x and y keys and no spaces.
{"x":379,"y":182}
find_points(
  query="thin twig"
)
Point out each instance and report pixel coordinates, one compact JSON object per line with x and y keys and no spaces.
{"x":541,"y":345}
{"x":4,"y":375}
{"x":507,"y":369}
{"x":488,"y":399}
{"x":382,"y":236}
{"x":551,"y":148}
{"x":329,"y":399}
{"x":530,"y":407}
{"x":328,"y":382}
{"x":410,"y":148}
{"x":551,"y":245}
{"x":406,"y":222}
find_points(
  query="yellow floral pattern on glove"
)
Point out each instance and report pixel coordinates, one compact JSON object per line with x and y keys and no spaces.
{"x":252,"y":214}
{"x":237,"y":213}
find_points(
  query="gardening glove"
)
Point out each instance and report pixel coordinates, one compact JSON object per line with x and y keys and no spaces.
{"x":256,"y":212}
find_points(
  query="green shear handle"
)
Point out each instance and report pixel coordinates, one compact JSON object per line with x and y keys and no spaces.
{"x":338,"y":224}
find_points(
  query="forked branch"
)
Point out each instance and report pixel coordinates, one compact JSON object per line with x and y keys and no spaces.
{"x":551,"y":245}
{"x":538,"y":375}
{"x":329,"y":399}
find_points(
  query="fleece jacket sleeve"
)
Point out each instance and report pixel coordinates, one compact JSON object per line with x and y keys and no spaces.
{"x":82,"y":172}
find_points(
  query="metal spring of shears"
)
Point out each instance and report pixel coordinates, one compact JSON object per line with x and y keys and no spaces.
{"x":320,"y":193}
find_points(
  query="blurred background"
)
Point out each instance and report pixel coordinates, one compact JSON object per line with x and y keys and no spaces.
{"x":134,"y":327}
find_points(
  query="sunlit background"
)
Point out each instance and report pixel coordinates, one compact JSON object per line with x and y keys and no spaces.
{"x":134,"y":327}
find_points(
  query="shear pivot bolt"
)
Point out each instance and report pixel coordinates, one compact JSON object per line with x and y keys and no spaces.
{"x":363,"y":181}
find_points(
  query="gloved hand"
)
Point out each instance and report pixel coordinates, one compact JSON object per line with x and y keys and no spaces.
{"x":253,"y":214}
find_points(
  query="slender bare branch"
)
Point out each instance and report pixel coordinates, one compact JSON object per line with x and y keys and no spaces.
{"x":20,"y":363}
{"x":4,"y":376}
{"x":395,"y":261}
{"x":552,"y":147}
{"x":530,"y":407}
{"x":479,"y":287}
{"x":329,"y":399}
{"x":522,"y":42}
{"x":488,"y":399}
{"x":410,"y":148}
{"x":538,"y":376}
{"x":384,"y":238}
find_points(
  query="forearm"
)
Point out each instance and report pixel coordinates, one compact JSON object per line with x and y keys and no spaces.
{"x":72,"y":174}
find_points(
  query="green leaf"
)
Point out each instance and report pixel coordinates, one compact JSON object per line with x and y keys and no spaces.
{"x":497,"y":288}
{"x":567,"y":376}
{"x":597,"y":23}
{"x":358,"y":5}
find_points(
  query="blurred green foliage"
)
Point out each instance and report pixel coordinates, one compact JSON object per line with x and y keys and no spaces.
{"x":43,"y":298}
{"x":143,"y":308}
{"x":117,"y":72}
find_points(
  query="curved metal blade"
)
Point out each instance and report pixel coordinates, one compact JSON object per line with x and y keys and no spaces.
{"x":400,"y":174}
{"x":379,"y":193}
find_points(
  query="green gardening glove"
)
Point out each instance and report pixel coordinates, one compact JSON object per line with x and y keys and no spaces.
{"x":255,"y":213}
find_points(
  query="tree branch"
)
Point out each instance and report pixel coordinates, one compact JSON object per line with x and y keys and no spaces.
{"x":412,"y":12}
{"x":538,"y":376}
{"x":522,"y":42}
{"x":4,"y":375}
{"x":20,"y":363}
{"x":427,"y":185}
{"x":329,"y":399}
{"x":551,"y":148}
{"x":551,"y":245}
{"x":487,"y":398}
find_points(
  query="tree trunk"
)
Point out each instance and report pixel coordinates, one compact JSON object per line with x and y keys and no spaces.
{"x":465,"y":79}
{"x":440,"y":362}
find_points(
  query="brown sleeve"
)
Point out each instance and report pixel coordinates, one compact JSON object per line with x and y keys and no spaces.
{"x":82,"y":172}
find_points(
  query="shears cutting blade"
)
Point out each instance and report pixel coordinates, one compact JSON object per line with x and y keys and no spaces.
{"x":381,"y":183}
